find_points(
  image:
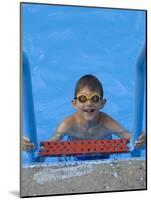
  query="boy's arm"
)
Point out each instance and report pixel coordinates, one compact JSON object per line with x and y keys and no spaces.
{"x":57,"y":136}
{"x":116,"y":127}
{"x":63,"y":129}
{"x":124,"y":134}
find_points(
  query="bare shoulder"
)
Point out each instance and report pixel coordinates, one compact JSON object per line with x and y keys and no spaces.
{"x":105,"y":118}
{"x":67,"y":124}
{"x":114,"y":126}
{"x":109,"y":121}
{"x":64,"y":128}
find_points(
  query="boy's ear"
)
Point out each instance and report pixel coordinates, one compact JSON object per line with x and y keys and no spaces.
{"x":73,"y":102}
{"x":104,"y":101}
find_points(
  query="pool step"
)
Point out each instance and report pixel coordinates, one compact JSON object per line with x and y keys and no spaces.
{"x":83,"y":147}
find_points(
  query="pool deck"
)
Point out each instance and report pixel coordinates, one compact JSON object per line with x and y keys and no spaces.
{"x":83,"y":177}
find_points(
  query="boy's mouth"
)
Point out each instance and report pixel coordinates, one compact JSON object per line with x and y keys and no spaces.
{"x":89,"y":110}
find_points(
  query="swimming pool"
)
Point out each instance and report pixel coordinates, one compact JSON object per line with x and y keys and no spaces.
{"x":63,"y":43}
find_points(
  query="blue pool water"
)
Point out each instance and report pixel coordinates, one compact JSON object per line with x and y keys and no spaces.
{"x":64,"y":43}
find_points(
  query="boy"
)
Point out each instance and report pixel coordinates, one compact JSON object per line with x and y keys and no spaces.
{"x":88,"y":122}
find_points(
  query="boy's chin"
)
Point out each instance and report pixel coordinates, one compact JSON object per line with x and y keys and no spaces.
{"x":89,"y":117}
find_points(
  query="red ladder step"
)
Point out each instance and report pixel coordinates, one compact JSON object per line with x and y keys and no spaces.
{"x":83,"y":147}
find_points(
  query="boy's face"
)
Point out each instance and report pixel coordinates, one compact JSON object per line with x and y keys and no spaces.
{"x":88,"y":106}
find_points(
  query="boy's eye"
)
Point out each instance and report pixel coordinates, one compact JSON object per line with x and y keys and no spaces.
{"x":95,"y":98}
{"x":82,"y":98}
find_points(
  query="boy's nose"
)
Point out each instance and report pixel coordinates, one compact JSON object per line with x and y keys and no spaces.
{"x":88,"y":102}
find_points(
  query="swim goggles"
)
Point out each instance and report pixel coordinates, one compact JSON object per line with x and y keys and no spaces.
{"x":94,"y":98}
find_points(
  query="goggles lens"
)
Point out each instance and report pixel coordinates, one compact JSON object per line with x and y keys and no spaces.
{"x":95,"y":99}
{"x":84,"y":98}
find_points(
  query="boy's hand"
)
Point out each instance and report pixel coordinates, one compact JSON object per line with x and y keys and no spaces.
{"x":141,"y":141}
{"x":26,"y":145}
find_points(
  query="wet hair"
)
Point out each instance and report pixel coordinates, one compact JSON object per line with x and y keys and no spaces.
{"x":91,"y":82}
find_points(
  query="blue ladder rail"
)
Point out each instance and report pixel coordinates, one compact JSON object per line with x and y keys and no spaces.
{"x":28,"y":116}
{"x":139,"y":97}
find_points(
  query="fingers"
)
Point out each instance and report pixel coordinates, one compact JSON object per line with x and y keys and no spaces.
{"x":26,"y":145}
{"x":27,"y":148}
{"x":142,"y":137}
{"x":139,"y":143}
{"x":29,"y":145}
{"x":25,"y":139}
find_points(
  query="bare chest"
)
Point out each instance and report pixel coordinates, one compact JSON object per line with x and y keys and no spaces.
{"x":98,"y":132}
